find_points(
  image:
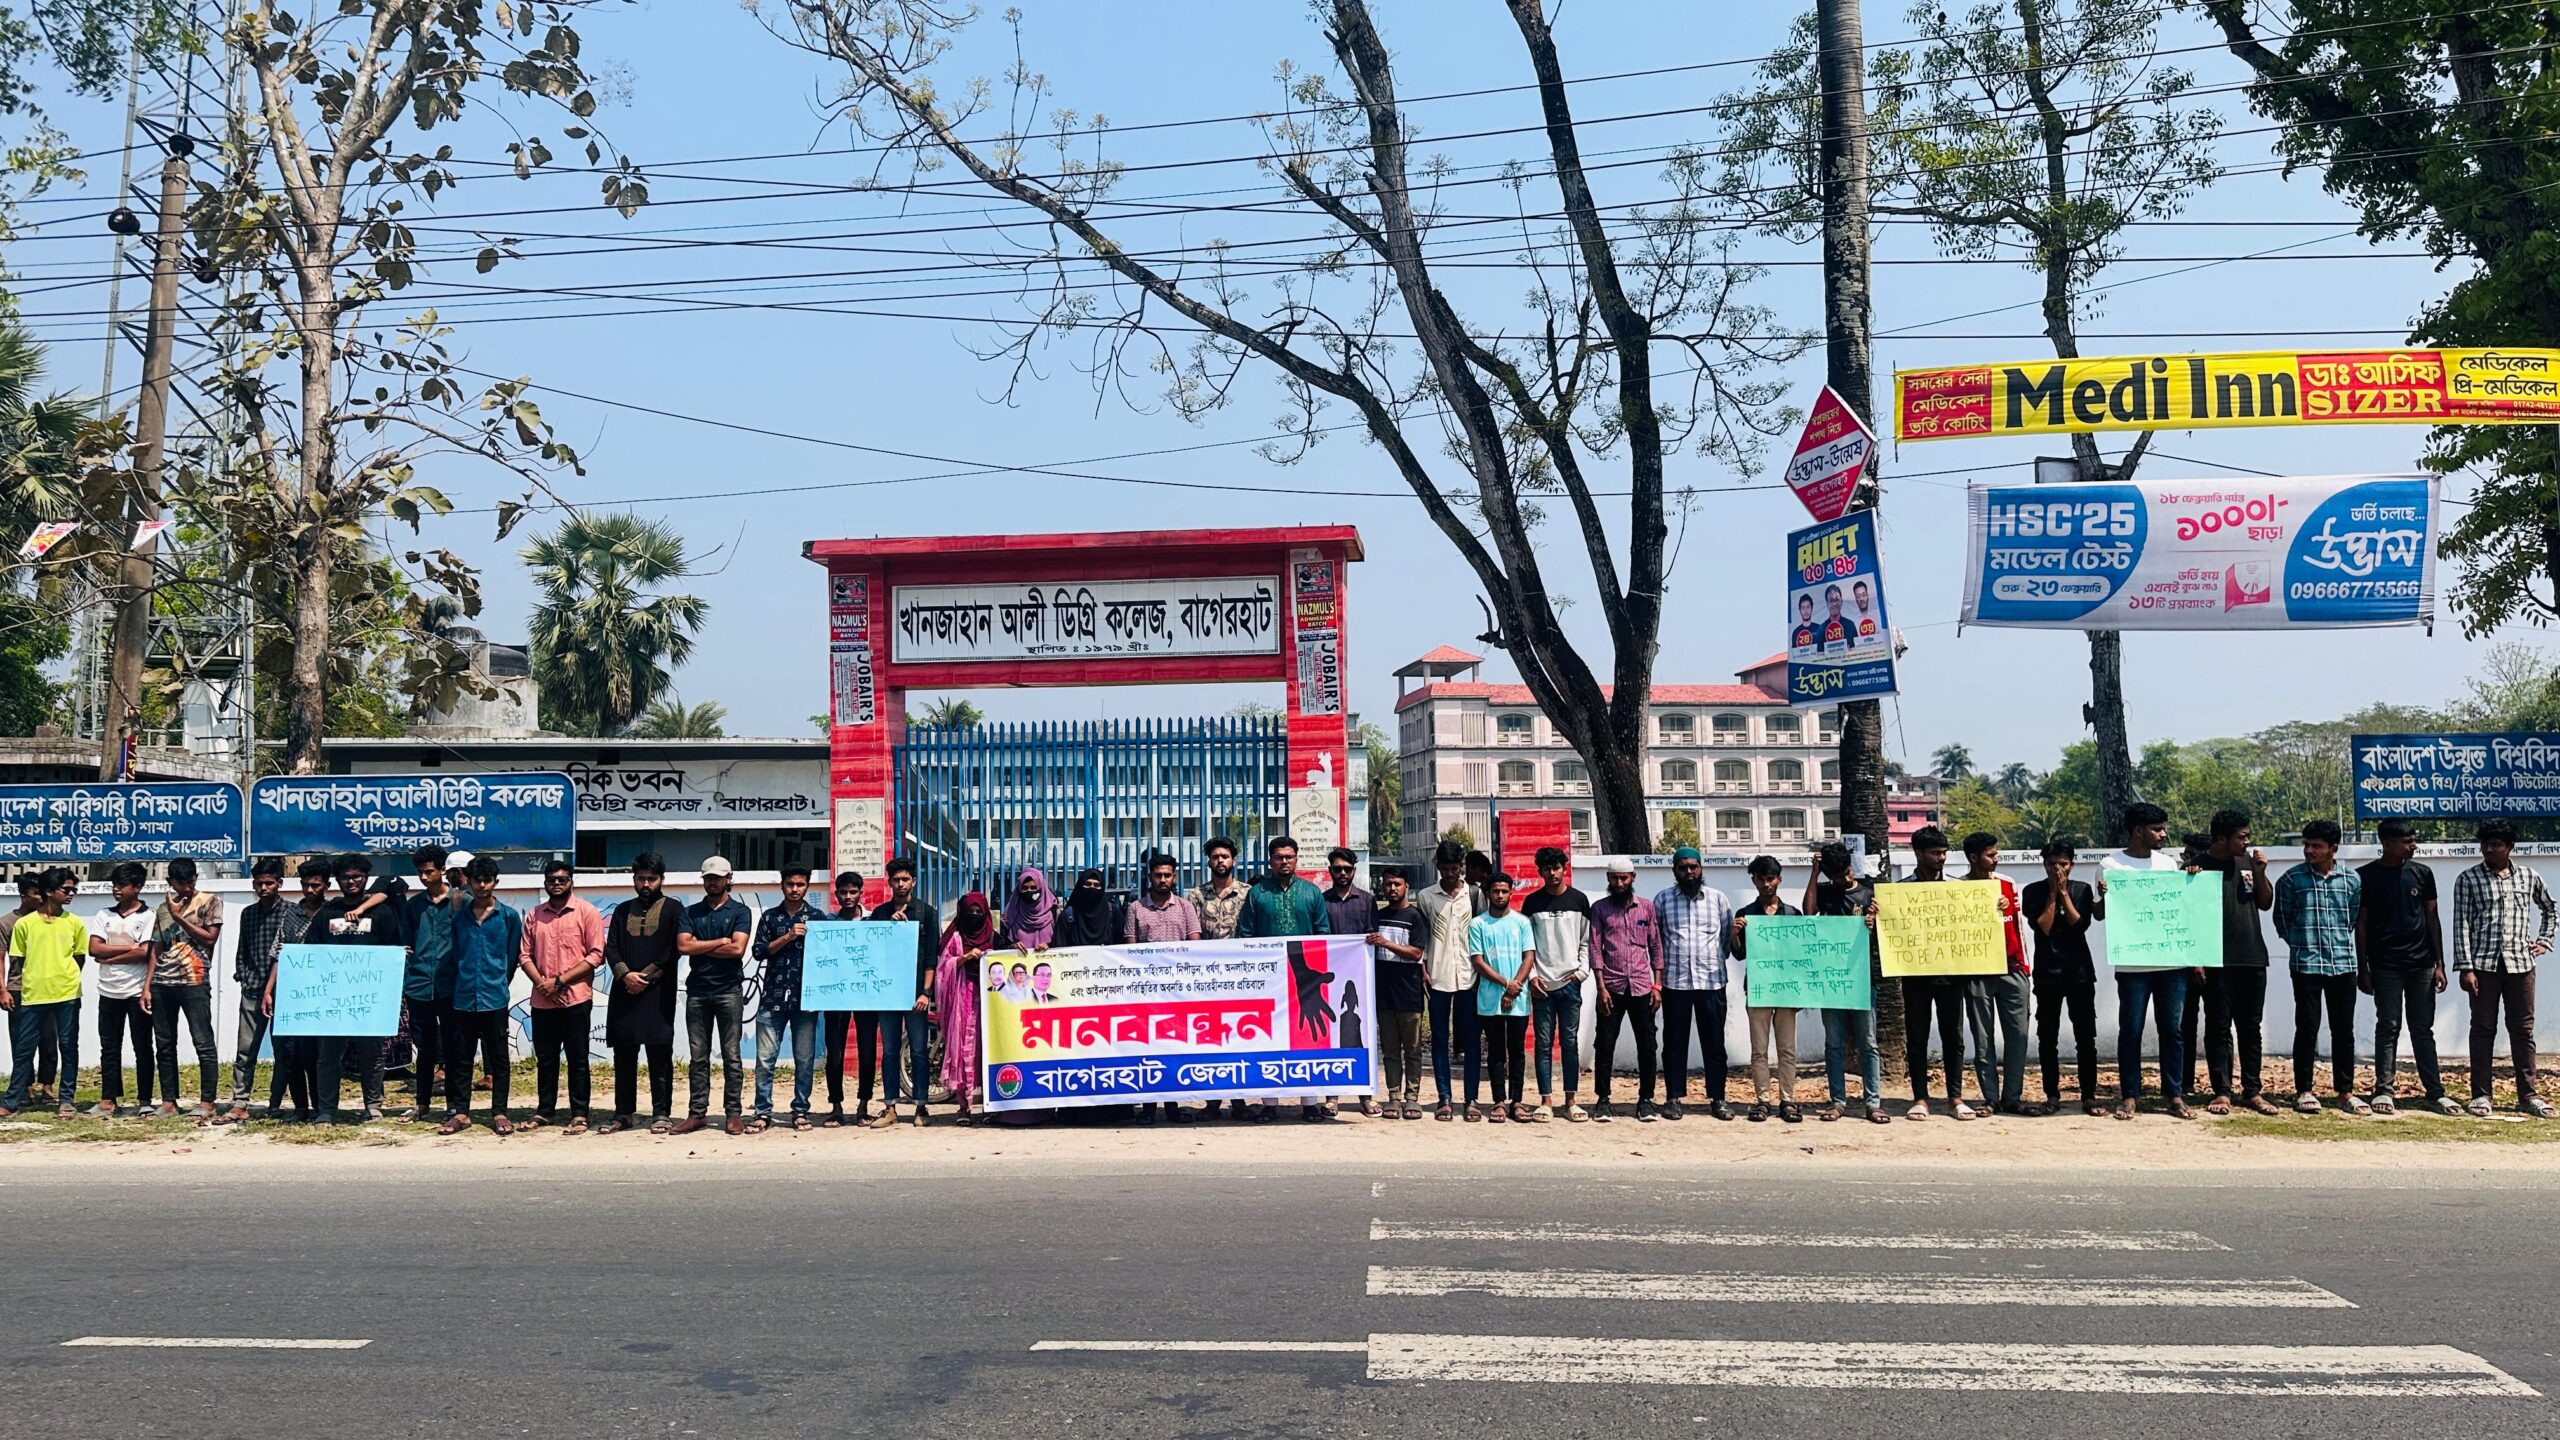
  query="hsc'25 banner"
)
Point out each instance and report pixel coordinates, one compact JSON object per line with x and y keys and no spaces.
{"x":1198,"y":1020}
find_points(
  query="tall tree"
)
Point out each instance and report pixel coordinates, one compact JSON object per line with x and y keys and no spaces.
{"x":47,"y":443}
{"x":953,"y":713}
{"x":1951,"y":761}
{"x":86,"y":43}
{"x":1386,"y":790}
{"x":2434,"y":118}
{"x":672,"y":719}
{"x":605,"y":637}
{"x":1489,"y":420}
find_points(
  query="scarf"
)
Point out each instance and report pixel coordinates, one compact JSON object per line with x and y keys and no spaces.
{"x":970,"y":922}
{"x":1031,"y":923}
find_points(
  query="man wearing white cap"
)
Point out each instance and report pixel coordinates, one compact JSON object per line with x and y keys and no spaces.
{"x":713,"y":942}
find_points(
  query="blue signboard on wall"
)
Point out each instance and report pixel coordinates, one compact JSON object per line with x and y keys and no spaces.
{"x":1839,"y":643}
{"x":121,"y":821}
{"x":2456,"y":777}
{"x":394,"y":814}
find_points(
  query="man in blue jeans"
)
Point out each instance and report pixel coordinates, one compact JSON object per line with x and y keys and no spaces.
{"x":781,"y":939}
{"x":2162,"y":992}
{"x":1560,"y":916}
{"x":1833,"y":890}
{"x":713,"y":944}
{"x":910,"y":1029}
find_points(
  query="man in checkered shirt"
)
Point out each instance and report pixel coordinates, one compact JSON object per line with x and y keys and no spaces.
{"x":2503,"y":920}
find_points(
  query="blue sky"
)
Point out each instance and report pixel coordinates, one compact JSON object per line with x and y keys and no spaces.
{"x":699,"y":82}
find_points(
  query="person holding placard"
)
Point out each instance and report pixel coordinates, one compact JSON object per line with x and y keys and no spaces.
{"x":2503,"y":922}
{"x":782,"y":935}
{"x":1396,"y":954}
{"x":1281,"y":905}
{"x":1938,"y":995}
{"x":1834,"y":891}
{"x":838,"y":1034}
{"x":1160,"y":915}
{"x":2400,"y":963}
{"x":640,"y":1008}
{"x":120,"y":948}
{"x":488,"y":944}
{"x":46,"y":951}
{"x":965,"y":943}
{"x":2317,"y":903}
{"x":1771,"y":1026}
{"x":1561,"y":916}
{"x":298,"y":1056}
{"x":1697,"y":926}
{"x":1995,"y":1006}
{"x":1349,"y":910}
{"x":2061,"y":910}
{"x":905,"y":1034}
{"x":563,"y":950}
{"x":2141,"y":993}
{"x":2233,"y":997}
{"x":365,"y":911}
{"x":1502,"y":947}
{"x":262,"y":936}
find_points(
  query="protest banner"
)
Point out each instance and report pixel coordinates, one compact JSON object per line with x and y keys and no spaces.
{"x":1830,"y":456}
{"x":158,"y":820}
{"x":2198,"y":392}
{"x":1806,"y":962}
{"x":350,"y":990}
{"x":2163,"y":920}
{"x":1839,"y":645}
{"x":858,"y":965}
{"x":1202,"y":1019}
{"x":1945,"y":927}
{"x":2457,"y":777}
{"x":327,"y":814}
{"x":2215,"y":554}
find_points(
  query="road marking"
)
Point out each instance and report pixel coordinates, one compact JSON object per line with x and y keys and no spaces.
{"x":1212,"y":1347}
{"x":209,"y":1342}
{"x":2287,"y":1294}
{"x":2430,"y":1371}
{"x":1810,"y":1239}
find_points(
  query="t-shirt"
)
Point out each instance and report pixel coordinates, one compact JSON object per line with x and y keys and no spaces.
{"x":1399,"y":980}
{"x":182,"y":959}
{"x":2062,"y":956}
{"x":2127,"y":860}
{"x":2244,"y":940}
{"x":2009,"y":921}
{"x":120,"y":979}
{"x":1754,"y":907}
{"x":1562,"y":925}
{"x":2397,"y":931}
{"x":1501,"y":940}
{"x":47,"y":952}
{"x":1843,"y":897}
{"x":703,"y":920}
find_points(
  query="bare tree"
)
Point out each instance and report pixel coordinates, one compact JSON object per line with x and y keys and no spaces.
{"x":1488,"y":422}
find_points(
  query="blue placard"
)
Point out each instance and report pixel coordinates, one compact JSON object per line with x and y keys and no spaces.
{"x":350,"y":990}
{"x":121,"y":821}
{"x":858,"y":965}
{"x":2456,"y":777}
{"x":395,"y":814}
{"x":1839,"y":643}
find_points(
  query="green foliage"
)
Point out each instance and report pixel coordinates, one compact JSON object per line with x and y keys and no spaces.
{"x":1386,"y":791}
{"x":604,"y":638}
{"x":1461,"y":834}
{"x":1679,"y":828}
{"x":1951,"y":762}
{"x":672,"y":719}
{"x":953,"y":714}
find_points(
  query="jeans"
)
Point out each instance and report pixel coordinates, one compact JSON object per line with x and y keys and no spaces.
{"x":1635,"y":1011}
{"x":464,"y":1032}
{"x":770,"y":1025}
{"x":1995,"y":1011}
{"x":2336,"y":993}
{"x":118,"y":1015}
{"x":28,"y":1027}
{"x":662,"y":1078}
{"x":2235,"y":1007}
{"x":1400,"y":1055}
{"x":1680,"y":1010}
{"x":1772,"y":1029}
{"x":427,"y":1021}
{"x":1840,"y":1030}
{"x":880,"y":1035}
{"x":332,"y":1056}
{"x":2515,"y":992}
{"x":1558,"y":1009}
{"x":562,"y":1032}
{"x":2163,"y":992}
{"x":1923,"y":996}
{"x":2079,"y":1000}
{"x":2396,"y":991}
{"x":1456,"y":1008}
{"x":168,"y":1002}
{"x":1502,"y":1035}
{"x":703,"y":1015}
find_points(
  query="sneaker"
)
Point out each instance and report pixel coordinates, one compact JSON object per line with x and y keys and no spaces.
{"x":1600,"y":1110}
{"x":1672,"y":1111}
{"x":1646,"y":1113}
{"x":2307,"y":1103}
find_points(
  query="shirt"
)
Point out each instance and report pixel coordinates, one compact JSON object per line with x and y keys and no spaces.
{"x":1444,"y":955}
{"x":262,"y":934}
{"x":2244,"y":940}
{"x":2009,"y":919}
{"x":706,"y":921}
{"x":430,"y":971}
{"x":484,"y":957}
{"x":1693,"y":938}
{"x":1503,"y":940}
{"x":1219,"y":911}
{"x":119,"y":979}
{"x":2497,"y":917}
{"x":2062,"y":955}
{"x":780,"y":955}
{"x":46,"y":952}
{"x":1149,"y":923}
{"x":1296,"y":908}
{"x":1742,"y":943}
{"x":1400,"y":983}
{"x":180,"y":958}
{"x":1355,"y":912}
{"x":559,"y":939}
{"x":1626,"y":944}
{"x":1562,"y":925}
{"x":2127,"y":860}
{"x":2316,"y":915}
{"x":2396,"y":928}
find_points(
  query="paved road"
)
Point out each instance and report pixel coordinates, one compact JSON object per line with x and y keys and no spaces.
{"x":1005,"y":1298}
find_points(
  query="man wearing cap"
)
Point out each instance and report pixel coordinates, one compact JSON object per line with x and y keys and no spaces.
{"x":1626,"y":963}
{"x":1694,"y":922}
{"x":713,"y":942}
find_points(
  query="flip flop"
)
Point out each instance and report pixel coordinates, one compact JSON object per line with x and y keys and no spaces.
{"x":802,"y":1122}
{"x":454,"y":1125}
{"x":502,"y":1124}
{"x":575,"y":1127}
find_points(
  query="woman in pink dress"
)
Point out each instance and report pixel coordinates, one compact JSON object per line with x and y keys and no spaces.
{"x":965,"y":942}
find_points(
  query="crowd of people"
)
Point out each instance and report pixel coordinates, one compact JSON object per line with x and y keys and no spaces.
{"x":1485,"y":973}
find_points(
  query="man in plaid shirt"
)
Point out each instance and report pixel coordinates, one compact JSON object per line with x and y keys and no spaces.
{"x":2316,"y":905}
{"x":2503,"y":921}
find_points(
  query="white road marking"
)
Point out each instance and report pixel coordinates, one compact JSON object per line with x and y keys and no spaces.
{"x":1728,"y":1288}
{"x":2428,"y":1371}
{"x":209,"y":1342}
{"x":1212,"y":1347}
{"x":1808,"y":1239}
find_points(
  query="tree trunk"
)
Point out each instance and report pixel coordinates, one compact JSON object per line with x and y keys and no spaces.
{"x":314,"y":552}
{"x":132,"y":634}
{"x":1617,"y":794}
{"x":2106,"y":717}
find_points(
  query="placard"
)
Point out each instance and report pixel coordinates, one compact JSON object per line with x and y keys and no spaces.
{"x":339,"y":990}
{"x":157,"y":820}
{"x":2163,"y":919}
{"x":1806,"y":962}
{"x":1941,"y":927}
{"x":858,"y":965}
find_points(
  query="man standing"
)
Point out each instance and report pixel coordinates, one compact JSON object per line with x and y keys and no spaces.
{"x":361,"y":913}
{"x":713,"y":940}
{"x":782,"y":936}
{"x":2503,"y":921}
{"x":1280,"y":905}
{"x":2066,"y":975}
{"x":1159,"y":916}
{"x":1449,"y":907}
{"x":2234,"y":997}
{"x":1396,"y":956}
{"x":1626,"y":964}
{"x":909,"y":1031}
{"x":426,"y":984}
{"x":46,"y":951}
{"x":1696,"y":923}
{"x":2317,"y":903}
{"x":1923,"y":995}
{"x":185,"y":929}
{"x":488,"y":943}
{"x":2400,"y":963}
{"x":563,"y":950}
{"x":1502,"y":949}
{"x":264,"y":926}
{"x":120,"y":947}
{"x":640,"y":1010}
{"x":1834,"y":891}
{"x":1219,"y":900}
{"x":1349,"y":910}
{"x":1995,"y":1006}
{"x":48,"y":1053}
{"x":837,"y":1032}
{"x":1560,"y":920}
{"x":298,"y":1056}
{"x":1772,"y":1027}
{"x":2151,"y":992}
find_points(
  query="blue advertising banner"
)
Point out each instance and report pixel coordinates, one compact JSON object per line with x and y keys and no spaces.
{"x":1839,"y":643}
{"x":2220,"y":554}
{"x":350,"y":990}
{"x":121,"y":821}
{"x":2456,"y":777}
{"x":858,"y":965}
{"x":297,"y":814}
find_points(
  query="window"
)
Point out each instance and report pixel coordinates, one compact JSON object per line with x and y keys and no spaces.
{"x":1732,"y":730}
{"x":1676,"y":729}
{"x":1785,"y":728}
{"x":1517,"y":777}
{"x":1828,"y":724}
{"x":1830,"y":776}
{"x":1572,"y":778}
{"x":1680,"y":777}
{"x":1733,"y":777}
{"x":1830,"y":824}
{"x":1733,"y":827}
{"x":1586,"y":836}
{"x":1786,"y":775}
{"x":1514,"y":730}
{"x":1786,"y":825}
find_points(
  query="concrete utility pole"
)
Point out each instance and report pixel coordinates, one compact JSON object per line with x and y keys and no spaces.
{"x":132,"y":633}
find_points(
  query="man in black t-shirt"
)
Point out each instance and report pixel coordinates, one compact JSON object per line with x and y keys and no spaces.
{"x":2400,"y":963}
{"x":1836,"y":890}
{"x":1396,"y":953}
{"x":2234,"y":998}
{"x":2059,"y":910}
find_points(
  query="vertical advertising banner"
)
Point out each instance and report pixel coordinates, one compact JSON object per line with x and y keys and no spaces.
{"x":1839,"y":642}
{"x":1318,"y":615}
{"x":1830,"y":456}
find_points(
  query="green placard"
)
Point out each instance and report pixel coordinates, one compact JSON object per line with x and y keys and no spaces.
{"x":1806,"y":962}
{"x":2163,"y":920}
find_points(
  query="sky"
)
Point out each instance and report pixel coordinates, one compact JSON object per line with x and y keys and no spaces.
{"x":691,"y":84}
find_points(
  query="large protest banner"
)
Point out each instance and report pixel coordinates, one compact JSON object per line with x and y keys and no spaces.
{"x":351,"y":990}
{"x":2457,"y":777}
{"x":2163,"y":920}
{"x":858,"y":965}
{"x":2217,"y":554}
{"x":1942,"y":927}
{"x":159,"y":820}
{"x":295,"y":814}
{"x":1195,"y":1020}
{"x":1806,"y":962}
{"x":2198,"y":392}
{"x":1839,"y":643}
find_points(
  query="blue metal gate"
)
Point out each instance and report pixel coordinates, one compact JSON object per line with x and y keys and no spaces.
{"x":977,"y":803}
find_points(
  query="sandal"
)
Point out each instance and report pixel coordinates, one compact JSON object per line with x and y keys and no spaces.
{"x":2355,"y":1105}
{"x":534,"y":1122}
{"x":2221,"y":1106}
{"x":1919,"y":1111}
{"x":611,"y":1127}
{"x":1494,"y":1115}
{"x":2124,"y":1110}
{"x":575,"y":1127}
{"x":803,"y":1122}
{"x":1370,"y":1109}
{"x":1962,"y":1111}
{"x":502,"y":1124}
{"x":1473,"y":1114}
{"x":835,"y":1118}
{"x":663,"y":1125}
{"x":2092,"y":1109}
{"x":1876,"y":1115}
{"x":759,"y":1125}
{"x":1575,"y":1114}
{"x":1829,"y":1113}
{"x":1790,"y":1112}
{"x":454,"y":1125}
{"x":1443,"y":1113}
{"x":2177,"y":1108}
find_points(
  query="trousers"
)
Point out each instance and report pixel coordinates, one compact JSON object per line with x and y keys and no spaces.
{"x":2077,"y":999}
{"x":2233,"y":1000}
{"x":426,"y":1028}
{"x":1772,"y":1029}
{"x":195,"y":1003}
{"x":1704,"y":1009}
{"x":1923,"y":997}
{"x":2335,"y":994}
{"x":2139,"y":995}
{"x":561,"y":1034}
{"x":1995,"y":1011}
{"x":703,"y":1016}
{"x":1635,"y":1012}
{"x":1400,"y":1055}
{"x":1560,"y":1009}
{"x":118,"y":1016}
{"x":1841,"y":1030}
{"x":1454,"y":1009}
{"x":2513,"y":993}
{"x":466,"y":1031}
{"x":2409,"y":992}
{"x":662,"y":1078}
{"x":1502,"y":1036}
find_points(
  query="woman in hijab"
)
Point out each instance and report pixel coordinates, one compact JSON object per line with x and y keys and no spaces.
{"x":965,"y":943}
{"x":1089,"y":917}
{"x":1030,"y":919}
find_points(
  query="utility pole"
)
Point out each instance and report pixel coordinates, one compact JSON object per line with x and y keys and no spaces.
{"x":132,"y":633}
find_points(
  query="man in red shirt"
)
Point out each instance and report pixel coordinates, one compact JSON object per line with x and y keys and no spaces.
{"x":563,"y":949}
{"x":2000,"y":996}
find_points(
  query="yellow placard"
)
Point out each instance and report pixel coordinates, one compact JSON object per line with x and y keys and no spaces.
{"x":2195,"y":392}
{"x":1948,"y":927}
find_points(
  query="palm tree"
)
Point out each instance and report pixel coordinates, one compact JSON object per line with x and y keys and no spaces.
{"x":2015,"y":782}
{"x":1951,"y":762}
{"x":672,"y":719}
{"x":952,"y":715}
{"x":603,"y":639}
{"x":39,"y":435}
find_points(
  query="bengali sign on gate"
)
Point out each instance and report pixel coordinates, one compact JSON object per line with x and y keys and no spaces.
{"x":1942,"y":927}
{"x":2163,"y":920}
{"x":1202,"y":1019}
{"x":381,"y":814}
{"x":2456,"y":777}
{"x":351,"y":990}
{"x":2507,"y":386}
{"x":161,"y":820}
{"x":1086,"y":619}
{"x":2216,"y":554}
{"x":1806,"y":962}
